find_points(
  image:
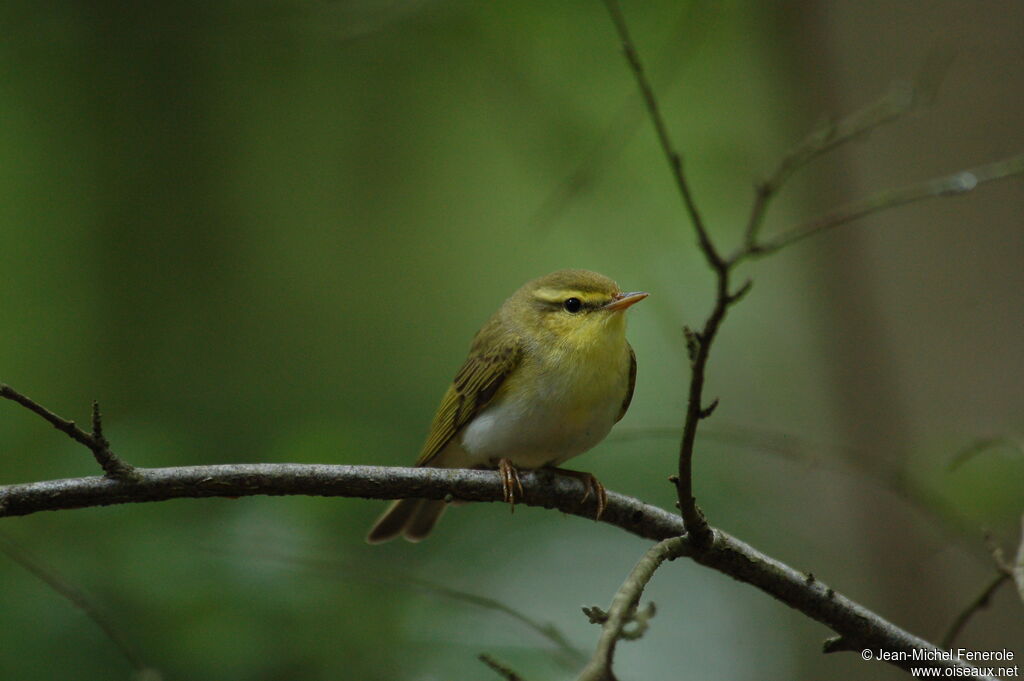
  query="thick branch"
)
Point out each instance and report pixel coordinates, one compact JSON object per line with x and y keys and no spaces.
{"x":856,"y":624}
{"x":863,"y":628}
{"x":368,"y":482}
{"x":623,"y":608}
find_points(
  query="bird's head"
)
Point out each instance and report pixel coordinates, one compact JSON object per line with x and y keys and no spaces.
{"x":577,"y":309}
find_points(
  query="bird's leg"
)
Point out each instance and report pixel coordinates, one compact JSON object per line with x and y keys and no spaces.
{"x":510,"y":482}
{"x":590,"y":485}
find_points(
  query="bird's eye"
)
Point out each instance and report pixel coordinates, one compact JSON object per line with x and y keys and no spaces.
{"x":573,"y":305}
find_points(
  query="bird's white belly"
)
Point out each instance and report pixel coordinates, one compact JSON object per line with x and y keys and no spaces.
{"x":537,"y":431}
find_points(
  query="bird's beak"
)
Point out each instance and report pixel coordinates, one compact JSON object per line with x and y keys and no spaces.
{"x":624,"y":300}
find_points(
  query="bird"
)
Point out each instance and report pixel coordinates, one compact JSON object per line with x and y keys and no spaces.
{"x":547,"y":377}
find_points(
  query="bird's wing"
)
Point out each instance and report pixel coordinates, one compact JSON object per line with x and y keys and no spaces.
{"x":491,"y":359}
{"x":632,"y":383}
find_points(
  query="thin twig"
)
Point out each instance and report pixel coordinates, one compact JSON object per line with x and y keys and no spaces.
{"x":67,"y":427}
{"x":686,"y":34}
{"x":696,"y":524}
{"x":77,"y":599}
{"x":812,"y":455}
{"x":95,"y":441}
{"x":675,"y":161}
{"x":983,"y":445}
{"x":623,"y":608}
{"x":704,"y":540}
{"x":900,"y":99}
{"x":111,"y":464}
{"x":1013,"y":569}
{"x":565,"y":653}
{"x":547,"y":630}
{"x":502,"y":670}
{"x":1006,"y":572}
{"x":946,"y":186}
{"x":980,"y":602}
{"x":699,"y":343}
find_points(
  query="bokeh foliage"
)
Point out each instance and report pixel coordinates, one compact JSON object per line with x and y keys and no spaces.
{"x":267,"y":231}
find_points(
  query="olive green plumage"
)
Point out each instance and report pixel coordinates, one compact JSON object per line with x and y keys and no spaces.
{"x":546,"y":378}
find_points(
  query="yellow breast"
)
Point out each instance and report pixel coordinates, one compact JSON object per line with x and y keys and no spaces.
{"x":561,"y":401}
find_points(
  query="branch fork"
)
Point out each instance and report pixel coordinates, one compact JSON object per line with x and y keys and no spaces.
{"x":111,"y":464}
{"x":833,"y":133}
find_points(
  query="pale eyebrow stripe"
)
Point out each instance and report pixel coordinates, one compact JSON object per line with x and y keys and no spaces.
{"x":558,"y":295}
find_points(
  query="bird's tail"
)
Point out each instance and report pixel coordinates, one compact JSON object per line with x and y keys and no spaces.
{"x":411,"y":518}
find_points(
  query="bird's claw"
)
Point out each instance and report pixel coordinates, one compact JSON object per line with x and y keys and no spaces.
{"x":510,"y":483}
{"x":591,"y":485}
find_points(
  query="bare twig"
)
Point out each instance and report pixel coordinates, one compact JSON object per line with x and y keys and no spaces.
{"x":549,"y":631}
{"x":812,"y":455}
{"x":502,"y":670}
{"x":955,"y":184}
{"x":699,"y":342}
{"x":1006,"y":571}
{"x":565,"y":653}
{"x":980,"y":602}
{"x":624,"y":609}
{"x":675,"y":161}
{"x":1013,"y":569}
{"x":983,"y":445}
{"x":838,"y":644}
{"x":696,"y":524}
{"x":67,"y":427}
{"x":686,"y":34}
{"x":80,"y":601}
{"x":725,"y":553}
{"x":111,"y":464}
{"x":1017,"y":567}
{"x":704,"y":540}
{"x":97,"y":444}
{"x":901,"y":98}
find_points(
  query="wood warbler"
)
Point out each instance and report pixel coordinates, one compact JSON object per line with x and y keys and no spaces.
{"x":547,"y":377}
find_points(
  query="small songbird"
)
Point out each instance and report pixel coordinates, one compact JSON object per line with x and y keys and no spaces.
{"x":546,"y":378}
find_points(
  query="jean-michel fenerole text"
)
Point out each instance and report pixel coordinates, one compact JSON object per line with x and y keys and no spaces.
{"x":960,"y":654}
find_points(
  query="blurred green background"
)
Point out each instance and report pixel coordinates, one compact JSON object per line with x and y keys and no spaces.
{"x":266,"y":231}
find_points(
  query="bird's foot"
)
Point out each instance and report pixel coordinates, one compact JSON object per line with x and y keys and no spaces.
{"x":591,"y":485}
{"x":510,"y":483}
